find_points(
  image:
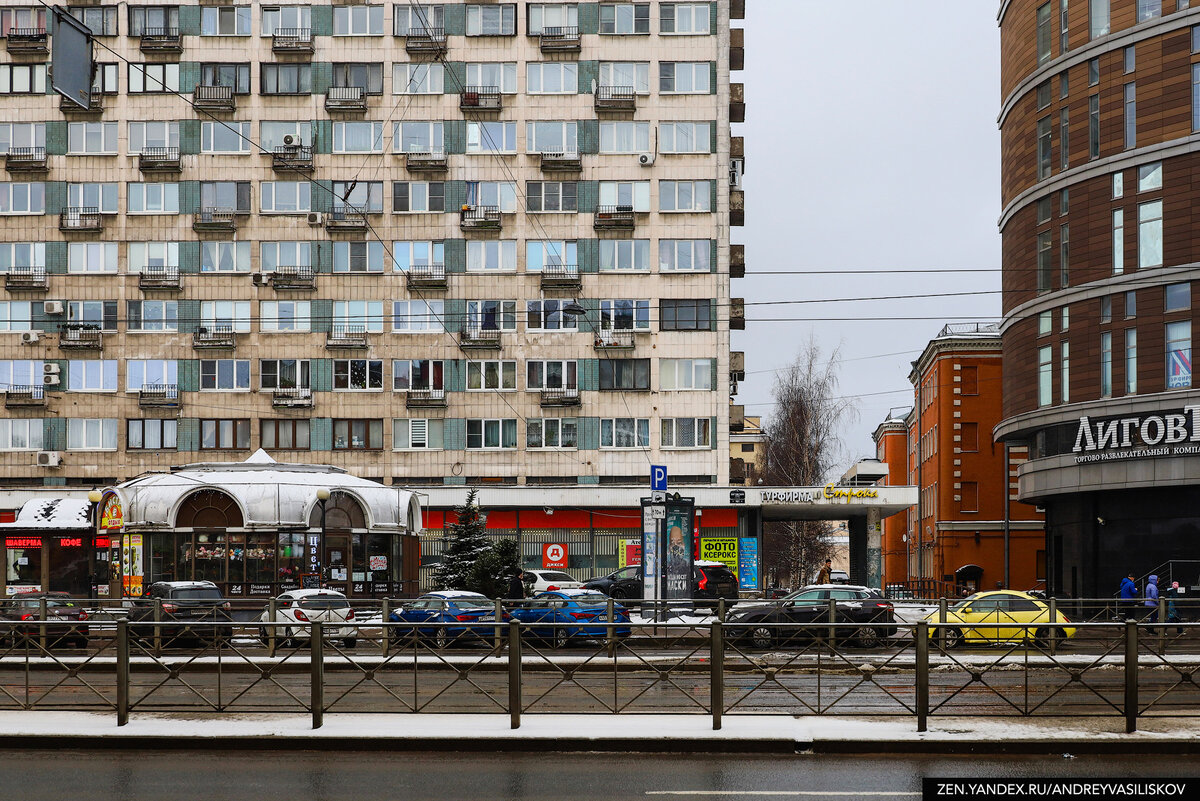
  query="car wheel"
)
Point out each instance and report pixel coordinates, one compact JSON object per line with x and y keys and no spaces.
{"x":441,"y":639}
{"x":619,"y":594}
{"x":350,"y":642}
{"x":1042,"y":637}
{"x":954,"y":638}
{"x":869,"y":637}
{"x":265,"y":636}
{"x":761,"y":637}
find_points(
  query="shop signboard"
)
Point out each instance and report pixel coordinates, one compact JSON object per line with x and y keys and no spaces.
{"x":131,"y":564}
{"x":629,"y":553}
{"x":310,"y":581}
{"x":554,"y":555}
{"x":748,"y":563}
{"x":21,"y":589}
{"x":720,"y":549}
{"x":111,"y":515}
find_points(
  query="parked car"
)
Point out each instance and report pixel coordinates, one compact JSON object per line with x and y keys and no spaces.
{"x":1004,"y":616}
{"x":64,"y":615}
{"x":587,"y":610}
{"x":810,"y":605}
{"x":710,"y":581}
{"x":304,"y":607}
{"x":190,"y":609}
{"x":471,"y":618}
{"x":839,"y":577}
{"x":547,"y":580}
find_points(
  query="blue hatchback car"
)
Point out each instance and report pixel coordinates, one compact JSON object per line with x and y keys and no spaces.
{"x":582,"y":615}
{"x":471,"y":618}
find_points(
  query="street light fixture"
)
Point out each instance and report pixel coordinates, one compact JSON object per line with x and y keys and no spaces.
{"x":322,"y":498}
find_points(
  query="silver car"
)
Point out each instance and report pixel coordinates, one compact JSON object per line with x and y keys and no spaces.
{"x":300,"y":608}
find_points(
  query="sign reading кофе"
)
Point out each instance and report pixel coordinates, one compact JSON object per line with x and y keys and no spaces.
{"x":1170,"y":433}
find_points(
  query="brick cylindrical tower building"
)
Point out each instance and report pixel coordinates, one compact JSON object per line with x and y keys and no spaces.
{"x":1100,"y":125}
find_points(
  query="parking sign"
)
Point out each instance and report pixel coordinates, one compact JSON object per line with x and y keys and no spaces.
{"x":658,"y":478}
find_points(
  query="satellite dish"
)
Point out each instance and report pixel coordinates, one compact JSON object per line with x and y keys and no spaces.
{"x":289,"y":140}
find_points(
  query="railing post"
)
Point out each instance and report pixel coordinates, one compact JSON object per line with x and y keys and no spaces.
{"x":942,"y":609}
{"x":122,"y":672}
{"x":514,"y":673}
{"x":716,"y":679}
{"x":612,"y":630}
{"x":42,"y":625}
{"x":386,"y":612}
{"x":498,"y":637}
{"x":272,"y":609}
{"x":1162,"y":623}
{"x":922,"y":699}
{"x":317,"y":679}
{"x":158,"y":610}
{"x":1052,"y":628}
{"x":832,"y":620}
{"x":721,"y":609}
{"x":1131,"y":676}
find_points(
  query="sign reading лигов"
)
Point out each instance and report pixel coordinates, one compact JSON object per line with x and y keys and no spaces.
{"x":1173,"y":433}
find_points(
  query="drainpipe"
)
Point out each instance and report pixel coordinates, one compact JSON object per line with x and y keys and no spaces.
{"x":1007,"y":501}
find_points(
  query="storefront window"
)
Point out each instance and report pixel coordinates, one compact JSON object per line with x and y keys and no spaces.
{"x":163,"y":566}
{"x":260,"y":558}
{"x":208,"y":557}
{"x":378,"y":565}
{"x":24,"y":560}
{"x":291,"y":557}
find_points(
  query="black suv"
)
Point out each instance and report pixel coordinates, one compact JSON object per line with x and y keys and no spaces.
{"x":710,"y":581}
{"x":757,"y":622}
{"x":184,"y":603}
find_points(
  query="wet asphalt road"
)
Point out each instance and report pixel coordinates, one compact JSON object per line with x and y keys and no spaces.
{"x":314,"y":776}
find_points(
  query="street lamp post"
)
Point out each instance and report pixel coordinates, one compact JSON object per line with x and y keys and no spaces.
{"x":322,"y":499}
{"x":94,"y":497}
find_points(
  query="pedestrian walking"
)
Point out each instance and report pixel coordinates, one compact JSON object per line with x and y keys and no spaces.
{"x":1172,"y":610}
{"x":516,"y":587}
{"x":1129,"y":594}
{"x":826,"y":572}
{"x":1152,"y":598}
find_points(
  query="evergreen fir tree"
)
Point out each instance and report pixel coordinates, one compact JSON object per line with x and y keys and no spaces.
{"x":467,"y":545}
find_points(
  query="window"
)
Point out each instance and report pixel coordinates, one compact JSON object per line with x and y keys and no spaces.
{"x":101,"y":314}
{"x":92,"y":375}
{"x":624,"y":432}
{"x":550,"y":254}
{"x":630,"y":74}
{"x":1064,"y":33}
{"x":492,"y":315}
{"x":1064,"y":370}
{"x":417,"y":79}
{"x":227,"y":21}
{"x":491,"y":434}
{"x":418,"y":434}
{"x":1130,"y":361}
{"x":1118,"y":241}
{"x":22,"y":134}
{"x":491,"y":375}
{"x":22,"y":255}
{"x":24,"y":79}
{"x":284,"y":374}
{"x":367,"y":76}
{"x":406,"y":255}
{"x":224,"y":257}
{"x":417,"y":137}
{"x":684,"y":255}
{"x":157,"y":198}
{"x":285,"y":79}
{"x":96,"y":196}
{"x":20,"y":435}
{"x":1118,"y":185}
{"x":684,"y":137}
{"x":1044,"y":261}
{"x":16,"y":315}
{"x":92,"y":138}
{"x":1044,"y":37}
{"x":1129,"y":54}
{"x":624,"y":137}
{"x":548,"y":315}
{"x":492,"y":20}
{"x":501,"y":194}
{"x":556,"y":374}
{"x":551,"y":15}
{"x":366,"y":196}
{"x":151,"y":435}
{"x":1044,"y":207}
{"x":502,"y":76}
{"x":152,"y":315}
{"x":417,"y":316}
{"x":1044,"y":146}
{"x":1043,"y":94}
{"x":358,"y":257}
{"x":225,"y":137}
{"x":152,"y":134}
{"x":285,"y":315}
{"x":1149,"y":9}
{"x":625,"y":315}
{"x":551,"y":137}
{"x":417,"y":18}
{"x":143,"y":18}
{"x":1150,"y":234}
{"x":289,"y":17}
{"x":140,"y":372}
{"x":224,"y":434}
{"x":225,"y":374}
{"x":273,"y":255}
{"x":551,"y":432}
{"x":360,"y":315}
{"x":20,"y":373}
{"x":1045,"y":375}
{"x":285,"y":435}
{"x":633,"y":195}
{"x":225,"y":315}
{"x":491,"y":137}
{"x":1098,"y":18}
{"x":1094,"y":126}
{"x":1179,"y":354}
{"x":92,"y":257}
{"x":551,"y":78}
{"x":1064,"y":85}
{"x":1150,"y":177}
{"x":100,"y":20}
{"x":1106,"y":309}
{"x":1178,"y":297}
{"x":105,"y":80}
{"x":684,"y":77}
{"x":686,"y":432}
{"x":550,"y":196}
{"x":1130,"y":107}
{"x":27,"y":18}
{"x":624,"y":18}
{"x":358,"y":20}
{"x":685,"y":373}
{"x":22,"y":198}
{"x":418,"y":197}
{"x":233,"y":195}
{"x":1064,"y":141}
{"x":1065,"y":323}
{"x":418,"y":374}
{"x":92,"y":434}
{"x":685,"y":315}
{"x":619,"y":374}
{"x":285,"y":197}
{"x":630,"y":255}
{"x":358,"y":435}
{"x":684,"y":18}
{"x":1105,"y":367}
{"x":685,"y":196}
{"x":235,"y":76}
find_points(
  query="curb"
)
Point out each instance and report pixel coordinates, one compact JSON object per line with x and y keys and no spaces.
{"x":1138,"y":746}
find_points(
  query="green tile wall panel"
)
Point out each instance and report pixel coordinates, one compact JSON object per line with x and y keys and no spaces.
{"x":589,"y":479}
{"x":54,"y":434}
{"x":591,"y":317}
{"x":320,"y":374}
{"x":587,"y":195}
{"x":321,"y":20}
{"x":712,"y":186}
{"x":454,"y":136}
{"x":189,"y":136}
{"x":712,"y":19}
{"x":322,"y":136}
{"x":456,"y":20}
{"x":322,"y":77}
{"x":189,"y":197}
{"x":588,"y":431}
{"x":189,"y":257}
{"x":588,"y":73}
{"x":589,"y":18}
{"x":455,"y":378}
{"x":588,"y":255}
{"x":322,"y":200}
{"x":189,"y":76}
{"x":321,"y":434}
{"x":455,"y":313}
{"x":54,"y":481}
{"x":712,"y":373}
{"x":189,"y":20}
{"x":712,"y":139}
{"x":322,"y":314}
{"x":455,"y":480}
{"x":62,"y":372}
{"x":187,"y":436}
{"x":189,"y":316}
{"x":589,"y":375}
{"x":712,"y":77}
{"x":56,"y":258}
{"x":188,"y":375}
{"x":456,"y":255}
{"x":454,"y":434}
{"x":712,"y":260}
{"x":56,"y":137}
{"x":456,"y":74}
{"x":51,"y":323}
{"x":456,"y":196}
{"x":712,"y":433}
{"x":56,"y":197}
{"x":712,"y":315}
{"x":588,"y":136}
{"x":321,"y":252}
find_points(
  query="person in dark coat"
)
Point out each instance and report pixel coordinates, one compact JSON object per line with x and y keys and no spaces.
{"x":1172,"y":610}
{"x":1129,"y":597}
{"x":516,"y":588}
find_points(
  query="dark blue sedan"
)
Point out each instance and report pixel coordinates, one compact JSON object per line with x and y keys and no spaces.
{"x":582,"y":614}
{"x":470,"y":618}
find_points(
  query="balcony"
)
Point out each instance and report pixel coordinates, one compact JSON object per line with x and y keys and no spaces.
{"x":614,"y":340}
{"x":737,"y":365}
{"x":25,"y":159}
{"x":737,"y":314}
{"x":425,"y":399}
{"x":737,"y":261}
{"x":480,"y":98}
{"x":737,"y":207}
{"x":152,"y":396}
{"x":292,"y":41}
{"x":25,"y":278}
{"x":481,"y":218}
{"x":426,"y":42}
{"x":616,"y":98}
{"x":561,"y":40}
{"x":346,"y":98}
{"x":737,"y":418}
{"x":561,"y":276}
{"x":737,"y":471}
{"x":159,"y":159}
{"x":347,"y":335}
{"x":78,"y":336}
{"x":80,"y":219}
{"x":215,"y":219}
{"x":427,"y":276}
{"x":292,"y":398}
{"x":218,"y":337}
{"x":561,"y":162}
{"x":214,"y":98}
{"x":161,"y":40}
{"x":479,"y":339}
{"x":737,"y":102}
{"x":292,"y":158}
{"x":160,"y":276}
{"x":560,"y":396}
{"x":293,"y":277}
{"x":433,"y":161}
{"x":24,"y":395}
{"x":95,"y":105}
{"x":737,"y":49}
{"x":27,"y":41}
{"x":614,"y":218}
{"x":345,"y":218}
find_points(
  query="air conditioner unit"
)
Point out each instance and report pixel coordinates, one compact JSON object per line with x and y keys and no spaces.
{"x":289,"y":140}
{"x":316,"y":218}
{"x":259,"y":279}
{"x":49,"y":458}
{"x":50,"y":368}
{"x":51,"y":380}
{"x":646,"y":159}
{"x":53,"y":307}
{"x":29,"y":337}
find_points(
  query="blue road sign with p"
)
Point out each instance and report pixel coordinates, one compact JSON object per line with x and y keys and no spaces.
{"x":658,"y":477}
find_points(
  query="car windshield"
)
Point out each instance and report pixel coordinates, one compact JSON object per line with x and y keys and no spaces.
{"x":590,"y":598}
{"x":557,"y":577}
{"x":324,"y":602}
{"x":196,"y":594}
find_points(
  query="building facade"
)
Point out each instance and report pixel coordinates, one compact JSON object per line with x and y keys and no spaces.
{"x":425,"y":243}
{"x":747,"y":452}
{"x":1099,"y":119}
{"x":891,"y":447}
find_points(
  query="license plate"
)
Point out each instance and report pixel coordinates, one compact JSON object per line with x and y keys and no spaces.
{"x":488,"y":619}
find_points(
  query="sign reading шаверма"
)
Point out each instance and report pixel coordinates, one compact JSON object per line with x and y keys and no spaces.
{"x":1172,"y":433}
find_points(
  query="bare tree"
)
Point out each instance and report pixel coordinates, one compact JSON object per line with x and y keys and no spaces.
{"x":803,"y":447}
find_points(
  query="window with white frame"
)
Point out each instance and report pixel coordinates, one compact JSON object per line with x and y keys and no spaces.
{"x":551,"y":78}
{"x":16,"y":315}
{"x":357,"y":375}
{"x":418,"y":374}
{"x":92,"y":257}
{"x":685,"y":374}
{"x":552,"y":137}
{"x":417,"y":79}
{"x":551,"y":374}
{"x":20,"y":372}
{"x":359,"y":315}
{"x":685,"y":195}
{"x":22,"y":256}
{"x":685,"y":137}
{"x":1150,"y":176}
{"x":684,"y":18}
{"x":1179,"y":354}
{"x":684,"y":77}
{"x":93,"y":196}
{"x":366,"y":76}
{"x":408,"y":254}
{"x":272,"y":134}
{"x":101,"y":314}
{"x":625,"y":315}
{"x":491,"y":434}
{"x":273,"y":255}
{"x":225,"y":315}
{"x":626,"y":255}
{"x":418,"y":197}
{"x":285,"y":79}
{"x":554,"y":253}
{"x":417,"y":18}
{"x":624,"y":432}
{"x":418,"y":433}
{"x":358,"y":137}
{"x":91,"y":138}
{"x":491,"y":137}
{"x":151,"y":434}
{"x":285,"y":197}
{"x":418,"y":137}
{"x":541,"y":16}
{"x":549,"y":315}
{"x":491,"y":374}
{"x":225,"y":375}
{"x":285,"y":374}
{"x":492,"y":315}
{"x":224,"y":434}
{"x":634,"y":195}
{"x":492,"y":255}
{"x":22,"y":134}
{"x":143,"y":135}
{"x":501,"y":75}
{"x":225,"y":21}
{"x":92,"y":375}
{"x":624,"y":18}
{"x":552,"y":432}
{"x":225,"y":137}
{"x":224,"y":257}
{"x":501,"y":194}
{"x":358,"y":20}
{"x":552,"y":196}
{"x":21,"y":435}
{"x":365,"y":196}
{"x":285,"y":316}
{"x":358,"y":257}
{"x":686,"y":432}
{"x":234,"y":195}
{"x":153,"y":78}
{"x":417,"y":316}
{"x":1118,"y":241}
{"x":1148,"y":10}
{"x":685,"y":255}
{"x":22,"y":197}
{"x":140,"y":372}
{"x":632,"y":74}
{"x":92,"y":434}
{"x":624,"y":137}
{"x":22,"y":79}
{"x":1150,"y":234}
{"x":152,"y":315}
{"x":491,"y":20}
{"x":153,"y":198}
{"x":288,"y":17}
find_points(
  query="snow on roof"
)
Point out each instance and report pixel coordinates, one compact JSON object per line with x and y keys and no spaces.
{"x":309,"y":593}
{"x":573,"y":593}
{"x":454,"y":594}
{"x":59,"y":513}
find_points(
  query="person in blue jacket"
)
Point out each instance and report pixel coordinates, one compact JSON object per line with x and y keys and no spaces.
{"x":1129,"y":595}
{"x":1152,"y":598}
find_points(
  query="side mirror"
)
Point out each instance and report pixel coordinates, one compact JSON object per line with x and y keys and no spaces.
{"x":967,"y":611}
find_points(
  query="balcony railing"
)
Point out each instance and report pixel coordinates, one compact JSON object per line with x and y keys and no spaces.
{"x":159,"y":159}
{"x":161,"y":40}
{"x":80,"y":218}
{"x":433,"y":161}
{"x":214,"y":98}
{"x":151,"y":395}
{"x":427,"y":276}
{"x":481,"y":218}
{"x":160,"y":276}
{"x":81,"y":337}
{"x":561,"y":276}
{"x":347,"y":335}
{"x":346,"y":218}
{"x":561,"y":162}
{"x":479,"y":338}
{"x":618,"y":218}
{"x":616,"y":98}
{"x":19,"y":395}
{"x":25,"y":159}
{"x":294,"y":276}
{"x":561,"y":40}
{"x":426,"y":42}
{"x":218,"y":337}
{"x":481,"y":98}
{"x":215,"y":219}
{"x":27,"y":40}
{"x":292,"y":40}
{"x":425,"y":398}
{"x":292,"y":397}
{"x":95,"y":105}
{"x":614,"y":340}
{"x":292,"y":157}
{"x":27,"y":278}
{"x":346,"y":98}
{"x":560,"y":396}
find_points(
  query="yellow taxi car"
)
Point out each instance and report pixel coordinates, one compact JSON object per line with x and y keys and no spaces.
{"x":1003,"y":616}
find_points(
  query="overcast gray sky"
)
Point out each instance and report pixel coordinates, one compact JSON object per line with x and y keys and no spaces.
{"x":871,"y":143}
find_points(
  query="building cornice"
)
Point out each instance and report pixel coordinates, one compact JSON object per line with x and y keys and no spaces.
{"x":942,"y":348}
{"x":1103,"y":407}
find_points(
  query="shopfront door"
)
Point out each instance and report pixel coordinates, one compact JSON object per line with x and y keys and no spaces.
{"x":337,"y":562}
{"x":69,"y":565}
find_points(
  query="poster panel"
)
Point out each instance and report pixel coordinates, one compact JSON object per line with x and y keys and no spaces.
{"x":677,"y":575}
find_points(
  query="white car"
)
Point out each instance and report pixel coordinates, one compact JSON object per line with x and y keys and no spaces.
{"x":302,"y":607}
{"x":544,"y":580}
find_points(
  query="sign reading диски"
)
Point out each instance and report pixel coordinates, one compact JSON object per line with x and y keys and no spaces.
{"x":1172,"y":433}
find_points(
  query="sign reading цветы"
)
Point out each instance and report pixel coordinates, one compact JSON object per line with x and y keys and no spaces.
{"x":1172,"y":433}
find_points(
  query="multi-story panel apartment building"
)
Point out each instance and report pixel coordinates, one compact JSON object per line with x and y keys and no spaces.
{"x":428,"y":243}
